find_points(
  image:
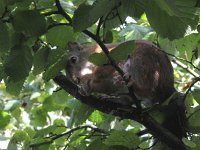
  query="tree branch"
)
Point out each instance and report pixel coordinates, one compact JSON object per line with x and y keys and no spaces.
{"x":185,"y":67}
{"x":62,"y":12}
{"x":126,"y":112}
{"x":51,"y":139}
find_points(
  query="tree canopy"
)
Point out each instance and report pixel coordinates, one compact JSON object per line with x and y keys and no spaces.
{"x":41,"y":109}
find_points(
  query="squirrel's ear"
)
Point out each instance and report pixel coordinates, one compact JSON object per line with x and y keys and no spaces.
{"x":74,"y":45}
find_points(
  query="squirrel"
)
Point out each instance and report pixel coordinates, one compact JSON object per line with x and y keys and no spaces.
{"x":149,"y":69}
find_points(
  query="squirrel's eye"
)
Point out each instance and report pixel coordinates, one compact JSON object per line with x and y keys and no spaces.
{"x":73,"y":59}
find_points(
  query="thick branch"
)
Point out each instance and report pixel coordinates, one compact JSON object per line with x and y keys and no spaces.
{"x":97,"y":103}
{"x":122,"y":111}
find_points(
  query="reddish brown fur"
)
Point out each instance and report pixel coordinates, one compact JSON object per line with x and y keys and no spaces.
{"x":150,"y":70}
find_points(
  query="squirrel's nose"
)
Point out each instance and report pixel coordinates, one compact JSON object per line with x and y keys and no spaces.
{"x":73,"y":59}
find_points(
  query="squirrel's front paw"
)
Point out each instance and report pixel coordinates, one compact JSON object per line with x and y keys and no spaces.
{"x":118,"y":80}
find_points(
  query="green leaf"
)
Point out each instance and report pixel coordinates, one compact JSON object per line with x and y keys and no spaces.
{"x":97,"y":117}
{"x":45,"y":131}
{"x":134,"y":32}
{"x":189,"y":143}
{"x":5,"y":119}
{"x":14,"y":87}
{"x":108,"y":37}
{"x":20,"y":136}
{"x":81,"y":17}
{"x":97,"y":145}
{"x":119,"y":53}
{"x":98,"y":59}
{"x":144,"y":145}
{"x":38,"y":117}
{"x":170,"y":26}
{"x":29,"y":22}
{"x":187,"y":44}
{"x":19,"y":63}
{"x":122,"y":51}
{"x":60,"y":36}
{"x":196,"y":140}
{"x":57,"y":101}
{"x":133,"y":8}
{"x":80,"y":112}
{"x":60,"y":97}
{"x":2,"y":7}
{"x":123,"y":138}
{"x":11,"y":2}
{"x":40,"y":60}
{"x":87,"y":15}
{"x":56,"y":62}
{"x":4,"y":37}
{"x":196,"y":95}
{"x":194,"y":122}
{"x":11,"y":105}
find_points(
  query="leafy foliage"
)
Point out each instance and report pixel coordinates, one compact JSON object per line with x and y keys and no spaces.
{"x":36,"y":114}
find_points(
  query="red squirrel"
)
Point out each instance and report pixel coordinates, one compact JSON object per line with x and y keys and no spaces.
{"x":149,"y":69}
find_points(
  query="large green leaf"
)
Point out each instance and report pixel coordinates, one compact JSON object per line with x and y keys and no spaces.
{"x":167,"y":22}
{"x":134,"y":32}
{"x":60,"y":36}
{"x":119,"y":53}
{"x":123,"y":138}
{"x":133,"y":8}
{"x":19,"y":63}
{"x":40,"y":60}
{"x":86,"y":15}
{"x":4,"y":37}
{"x":29,"y":22}
{"x":98,"y":59}
{"x":186,"y":45}
{"x":122,"y":51}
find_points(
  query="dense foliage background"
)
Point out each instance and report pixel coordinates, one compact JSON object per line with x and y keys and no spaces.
{"x":35,"y":113}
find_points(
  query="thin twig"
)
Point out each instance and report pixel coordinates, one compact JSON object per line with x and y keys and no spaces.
{"x":51,"y":139}
{"x":189,"y":89}
{"x":185,"y":67}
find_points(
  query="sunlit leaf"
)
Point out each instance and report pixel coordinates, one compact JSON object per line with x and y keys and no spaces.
{"x":11,"y":105}
{"x":5,"y":119}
